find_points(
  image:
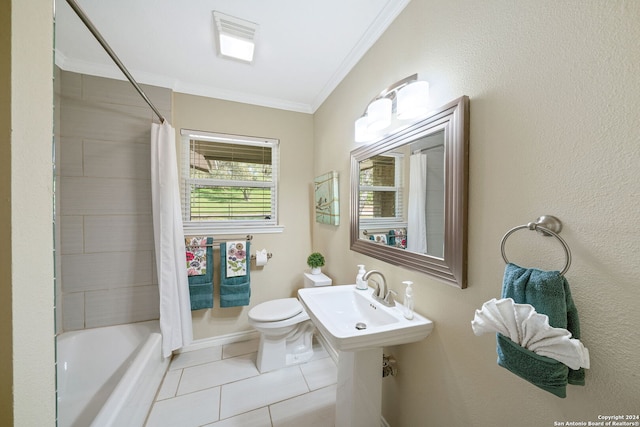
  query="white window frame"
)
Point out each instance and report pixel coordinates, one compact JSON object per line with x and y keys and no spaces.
{"x":397,"y":220}
{"x":230,"y":226}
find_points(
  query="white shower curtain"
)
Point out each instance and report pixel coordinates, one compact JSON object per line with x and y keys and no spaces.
{"x":417,"y":215}
{"x":175,"y":306}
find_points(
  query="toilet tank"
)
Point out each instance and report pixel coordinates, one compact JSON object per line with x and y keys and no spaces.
{"x":313,"y":280}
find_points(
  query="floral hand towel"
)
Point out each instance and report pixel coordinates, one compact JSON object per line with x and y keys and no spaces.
{"x":236,"y":259}
{"x":196,"y":252}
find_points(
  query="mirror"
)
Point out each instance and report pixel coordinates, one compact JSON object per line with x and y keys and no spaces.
{"x":409,"y":195}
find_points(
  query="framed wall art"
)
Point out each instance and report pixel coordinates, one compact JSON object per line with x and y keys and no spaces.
{"x":327,"y":200}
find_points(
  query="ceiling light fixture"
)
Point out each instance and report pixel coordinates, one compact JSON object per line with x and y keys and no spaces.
{"x":235,"y":37}
{"x":407,"y":98}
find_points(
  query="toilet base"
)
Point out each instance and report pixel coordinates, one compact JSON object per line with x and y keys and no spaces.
{"x":277,"y":352}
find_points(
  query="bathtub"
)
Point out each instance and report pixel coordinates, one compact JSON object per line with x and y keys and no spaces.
{"x":109,"y":376}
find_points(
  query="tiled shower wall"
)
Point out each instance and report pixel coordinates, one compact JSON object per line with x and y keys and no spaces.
{"x":106,"y":268}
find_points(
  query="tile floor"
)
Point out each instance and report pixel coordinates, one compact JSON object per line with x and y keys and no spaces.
{"x":221,"y":386}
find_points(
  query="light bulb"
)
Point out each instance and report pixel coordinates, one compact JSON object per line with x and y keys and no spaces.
{"x":361,"y":134}
{"x":412,"y":100}
{"x":379,"y":114}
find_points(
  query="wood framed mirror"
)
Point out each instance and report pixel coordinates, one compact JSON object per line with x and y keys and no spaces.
{"x":409,"y":192}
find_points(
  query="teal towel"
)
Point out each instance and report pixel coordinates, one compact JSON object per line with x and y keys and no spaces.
{"x":201,"y":287}
{"x":548,"y":292}
{"x":391,"y":240}
{"x":234,"y":291}
{"x":544,"y":372}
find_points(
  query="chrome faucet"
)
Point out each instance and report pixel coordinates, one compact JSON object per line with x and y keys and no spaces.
{"x":380,"y":293}
{"x":380,"y":290}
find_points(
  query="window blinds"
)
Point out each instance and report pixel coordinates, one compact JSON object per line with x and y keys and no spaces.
{"x":230,"y":180}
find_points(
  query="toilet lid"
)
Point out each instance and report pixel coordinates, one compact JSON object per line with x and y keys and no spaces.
{"x":278,"y":309}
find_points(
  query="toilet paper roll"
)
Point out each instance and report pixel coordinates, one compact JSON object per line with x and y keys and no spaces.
{"x":261,"y":257}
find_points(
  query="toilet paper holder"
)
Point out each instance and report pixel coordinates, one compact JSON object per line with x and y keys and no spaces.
{"x":263,"y":262}
{"x":269,"y":256}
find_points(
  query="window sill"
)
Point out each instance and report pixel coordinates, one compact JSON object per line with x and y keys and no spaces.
{"x":381,"y":224}
{"x":192,"y":229}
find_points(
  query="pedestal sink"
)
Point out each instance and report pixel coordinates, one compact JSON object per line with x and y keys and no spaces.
{"x":358,"y":327}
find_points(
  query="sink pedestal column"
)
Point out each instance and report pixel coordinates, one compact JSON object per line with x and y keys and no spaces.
{"x":359,"y":391}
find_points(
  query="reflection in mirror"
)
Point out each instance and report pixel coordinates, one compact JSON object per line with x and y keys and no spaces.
{"x":411,"y":219}
{"x":426,"y":196}
{"x":409,"y":195}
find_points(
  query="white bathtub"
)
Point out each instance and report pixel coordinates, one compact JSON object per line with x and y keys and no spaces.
{"x":109,"y":376}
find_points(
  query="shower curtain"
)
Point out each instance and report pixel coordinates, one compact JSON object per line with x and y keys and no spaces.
{"x":417,"y":215}
{"x":175,"y":308}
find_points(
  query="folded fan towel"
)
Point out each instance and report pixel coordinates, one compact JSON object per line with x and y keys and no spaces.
{"x":531,"y":330}
{"x":234,"y":291}
{"x":236,"y":258}
{"x":549,"y":293}
{"x":201,"y":286}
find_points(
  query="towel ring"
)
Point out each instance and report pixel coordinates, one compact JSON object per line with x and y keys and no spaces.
{"x":547,"y":225}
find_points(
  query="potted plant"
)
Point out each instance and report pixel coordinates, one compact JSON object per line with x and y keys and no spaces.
{"x":315,"y":261}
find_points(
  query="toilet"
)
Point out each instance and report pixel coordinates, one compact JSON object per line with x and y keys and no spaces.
{"x":286,"y":333}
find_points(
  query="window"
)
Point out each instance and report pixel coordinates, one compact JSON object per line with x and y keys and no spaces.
{"x":381,"y":190}
{"x":230,"y":183}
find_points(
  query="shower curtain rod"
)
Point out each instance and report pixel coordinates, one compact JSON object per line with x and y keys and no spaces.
{"x":83,"y":17}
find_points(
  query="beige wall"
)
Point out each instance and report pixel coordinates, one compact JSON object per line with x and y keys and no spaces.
{"x":555,"y":101}
{"x":282,"y":276}
{"x":6,"y":325}
{"x":28,"y":361}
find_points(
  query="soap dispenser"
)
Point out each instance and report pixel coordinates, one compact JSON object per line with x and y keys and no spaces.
{"x":361,"y":284}
{"x":408,"y":300}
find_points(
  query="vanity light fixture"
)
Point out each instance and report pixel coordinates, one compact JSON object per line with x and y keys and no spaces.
{"x":235,"y":37}
{"x":406,"y":98}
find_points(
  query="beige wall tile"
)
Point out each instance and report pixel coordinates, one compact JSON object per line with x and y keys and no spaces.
{"x":121,"y":92}
{"x":118,"y":233}
{"x":71,"y":234}
{"x":102,"y":121}
{"x":105,"y":270}
{"x":116,"y":306}
{"x":73,"y":311}
{"x":97,"y":196}
{"x":117,"y":159}
{"x":104,"y":194}
{"x":70,"y":85}
{"x":70,"y":160}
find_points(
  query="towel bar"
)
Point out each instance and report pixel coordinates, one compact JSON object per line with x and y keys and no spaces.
{"x":215,"y":243}
{"x":366,"y":233}
{"x":547,"y":225}
{"x":215,"y":246}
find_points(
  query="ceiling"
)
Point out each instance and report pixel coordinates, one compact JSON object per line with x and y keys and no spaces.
{"x":304,"y":48}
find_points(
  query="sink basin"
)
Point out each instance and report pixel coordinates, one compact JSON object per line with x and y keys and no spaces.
{"x":351,"y":320}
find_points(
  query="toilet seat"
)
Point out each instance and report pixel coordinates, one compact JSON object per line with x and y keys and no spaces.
{"x":276,"y":310}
